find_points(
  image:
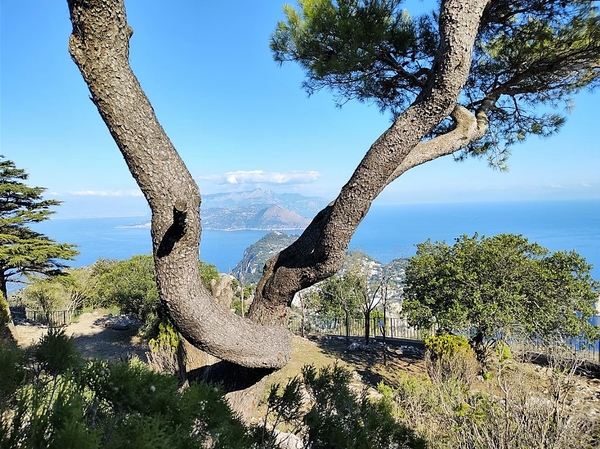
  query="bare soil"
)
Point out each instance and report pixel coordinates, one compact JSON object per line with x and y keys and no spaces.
{"x":91,"y":338}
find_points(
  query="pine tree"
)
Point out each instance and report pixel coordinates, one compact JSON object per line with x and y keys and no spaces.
{"x":23,"y":250}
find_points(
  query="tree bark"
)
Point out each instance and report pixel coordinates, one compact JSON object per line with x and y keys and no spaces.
{"x":320,"y":250}
{"x":7,"y":327}
{"x":99,"y":45}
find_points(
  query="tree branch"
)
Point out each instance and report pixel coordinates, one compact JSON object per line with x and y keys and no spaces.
{"x":320,"y":250}
{"x":469,"y":128}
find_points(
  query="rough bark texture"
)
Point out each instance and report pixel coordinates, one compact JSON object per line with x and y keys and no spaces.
{"x":99,"y":45}
{"x":7,"y":327}
{"x":320,"y":250}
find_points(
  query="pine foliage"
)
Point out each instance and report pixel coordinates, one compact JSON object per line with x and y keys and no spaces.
{"x":23,"y":250}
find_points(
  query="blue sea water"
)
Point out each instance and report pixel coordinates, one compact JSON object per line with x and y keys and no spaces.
{"x":386,"y":233}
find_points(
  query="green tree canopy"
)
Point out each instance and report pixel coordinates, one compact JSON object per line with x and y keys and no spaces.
{"x":22,"y":250}
{"x":491,"y":284}
{"x":337,"y":297}
{"x":530,"y":57}
{"x":131,"y":284}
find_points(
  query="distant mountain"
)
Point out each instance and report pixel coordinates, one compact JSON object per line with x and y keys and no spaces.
{"x":251,"y":266}
{"x":254,"y":217}
{"x":257,"y":209}
{"x":302,"y":205}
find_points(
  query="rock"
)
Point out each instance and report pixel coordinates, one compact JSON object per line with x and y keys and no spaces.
{"x":117,"y":322}
{"x":222,"y":289}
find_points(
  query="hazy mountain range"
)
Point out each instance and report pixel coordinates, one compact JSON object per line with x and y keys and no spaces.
{"x":260,"y":210}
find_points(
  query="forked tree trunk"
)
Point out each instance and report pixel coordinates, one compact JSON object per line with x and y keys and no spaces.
{"x":99,"y":45}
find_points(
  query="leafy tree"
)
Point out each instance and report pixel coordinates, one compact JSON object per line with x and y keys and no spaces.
{"x":131,"y":284}
{"x":45,"y":295}
{"x":527,"y":53}
{"x":208,"y":273}
{"x":339,"y":297}
{"x":74,"y":289}
{"x":489,"y":285}
{"x":22,"y":250}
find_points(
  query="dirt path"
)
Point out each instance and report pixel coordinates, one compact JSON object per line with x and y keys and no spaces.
{"x":91,"y":338}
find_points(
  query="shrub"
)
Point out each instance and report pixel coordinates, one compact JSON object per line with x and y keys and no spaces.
{"x":163,"y":349}
{"x":334,"y":416}
{"x":519,"y":412}
{"x":451,"y":357}
{"x":59,"y":401}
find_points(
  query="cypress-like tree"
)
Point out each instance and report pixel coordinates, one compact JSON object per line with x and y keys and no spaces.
{"x":23,"y":250}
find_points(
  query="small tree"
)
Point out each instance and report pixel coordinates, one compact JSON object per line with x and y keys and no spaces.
{"x":22,"y":250}
{"x":131,"y":285}
{"x":367,"y":291}
{"x":488,"y":285}
{"x":338,"y":296}
{"x":74,"y":289}
{"x":209,"y":273}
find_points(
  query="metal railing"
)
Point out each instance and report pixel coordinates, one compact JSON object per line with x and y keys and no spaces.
{"x":398,"y":328}
{"x":57,"y":318}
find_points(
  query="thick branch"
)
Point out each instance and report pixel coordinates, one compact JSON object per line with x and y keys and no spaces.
{"x":99,"y":45}
{"x":469,"y":128}
{"x":320,"y":250}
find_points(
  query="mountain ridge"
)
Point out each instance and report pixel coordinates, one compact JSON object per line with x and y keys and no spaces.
{"x":256,"y":210}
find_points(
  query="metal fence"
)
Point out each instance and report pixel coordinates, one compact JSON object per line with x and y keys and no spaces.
{"x":392,"y":328}
{"x":398,"y":328}
{"x":56,"y":318}
{"x":575,"y":350}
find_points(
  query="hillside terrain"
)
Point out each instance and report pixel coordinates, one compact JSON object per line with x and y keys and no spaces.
{"x":255,"y":256}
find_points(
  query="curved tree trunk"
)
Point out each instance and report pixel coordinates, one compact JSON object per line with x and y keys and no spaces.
{"x":99,"y":45}
{"x":320,"y":250}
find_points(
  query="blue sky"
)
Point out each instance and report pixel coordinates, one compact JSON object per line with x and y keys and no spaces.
{"x":238,"y":119}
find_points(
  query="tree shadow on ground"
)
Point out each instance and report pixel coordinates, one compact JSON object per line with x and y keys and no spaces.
{"x":111,"y":345}
{"x":374,"y":363}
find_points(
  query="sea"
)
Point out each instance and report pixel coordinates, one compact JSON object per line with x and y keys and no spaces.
{"x":387,"y":232}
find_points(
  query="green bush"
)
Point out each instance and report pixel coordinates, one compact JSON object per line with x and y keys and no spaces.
{"x":163,"y":348}
{"x":451,"y":356}
{"x":336,"y":416}
{"x":59,"y":401}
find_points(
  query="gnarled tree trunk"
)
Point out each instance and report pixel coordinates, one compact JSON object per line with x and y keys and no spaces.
{"x":99,"y":45}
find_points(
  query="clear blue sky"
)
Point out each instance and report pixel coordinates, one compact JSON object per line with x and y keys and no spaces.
{"x":238,"y":119}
